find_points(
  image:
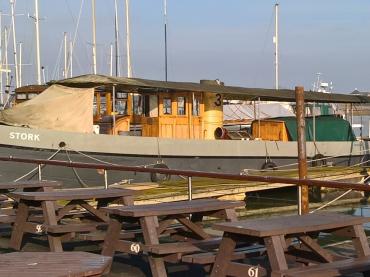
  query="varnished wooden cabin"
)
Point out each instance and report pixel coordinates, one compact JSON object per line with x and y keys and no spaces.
{"x":165,"y":114}
{"x":27,"y":92}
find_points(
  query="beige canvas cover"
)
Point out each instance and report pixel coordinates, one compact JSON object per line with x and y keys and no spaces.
{"x":57,"y":108}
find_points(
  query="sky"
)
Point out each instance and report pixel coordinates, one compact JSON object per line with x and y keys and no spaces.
{"x":230,"y":40}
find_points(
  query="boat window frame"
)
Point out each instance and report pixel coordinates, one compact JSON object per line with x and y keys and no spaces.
{"x":164,"y":107}
{"x":184,"y":105}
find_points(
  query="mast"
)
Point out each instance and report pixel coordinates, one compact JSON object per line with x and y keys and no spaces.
{"x":7,"y":79}
{"x":276,"y":42}
{"x":12,"y":4}
{"x":116,"y":38}
{"x":129,"y":70}
{"x":38,"y":59}
{"x":111,"y":60}
{"x":70,"y":59}
{"x":94,"y":36}
{"x":20,"y":63}
{"x":165,"y":40}
{"x":1,"y":61}
{"x":65,"y":71}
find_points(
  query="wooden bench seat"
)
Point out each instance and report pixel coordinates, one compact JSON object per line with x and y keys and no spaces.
{"x":337,"y":268}
{"x":205,"y":258}
{"x":184,"y":247}
{"x":68,"y":228}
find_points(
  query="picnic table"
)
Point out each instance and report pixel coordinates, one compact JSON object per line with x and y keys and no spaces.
{"x":8,"y":215}
{"x":276,"y":234}
{"x":162,"y":240}
{"x":43,"y":185}
{"x":53,"y":222}
{"x":45,"y":264}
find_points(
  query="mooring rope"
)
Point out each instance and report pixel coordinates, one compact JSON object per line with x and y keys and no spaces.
{"x":37,"y":168}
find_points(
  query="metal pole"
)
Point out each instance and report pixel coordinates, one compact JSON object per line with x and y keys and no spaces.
{"x":39,"y":168}
{"x":65,"y":73}
{"x":7,"y":74}
{"x":303,"y":202}
{"x":165,"y":40}
{"x":38,"y":60}
{"x":70,"y":59}
{"x":20,"y":63}
{"x":116,"y":38}
{"x":128,"y":42}
{"x":105,"y":179}
{"x":190,"y":189}
{"x":1,"y":61}
{"x":12,"y":3}
{"x":114,"y":108}
{"x":111,"y":60}
{"x":276,"y":41}
{"x":94,"y":36}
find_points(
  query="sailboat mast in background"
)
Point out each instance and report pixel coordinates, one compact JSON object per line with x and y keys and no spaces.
{"x":94,"y":36}
{"x":65,"y":71}
{"x":20,"y":63}
{"x":1,"y":61}
{"x":12,"y":4}
{"x":165,"y":40}
{"x":276,"y":42}
{"x":128,"y":42}
{"x":38,"y":59}
{"x":116,"y":38}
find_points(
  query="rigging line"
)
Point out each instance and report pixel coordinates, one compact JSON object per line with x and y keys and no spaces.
{"x":37,"y":168}
{"x":331,"y":202}
{"x":75,"y":34}
{"x":242,"y":111}
{"x":101,"y":161}
{"x":57,"y":63}
{"x":264,"y":43}
{"x":276,"y":169}
{"x":82,"y":183}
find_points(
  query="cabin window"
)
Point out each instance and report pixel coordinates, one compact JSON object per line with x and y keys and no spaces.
{"x":121,"y":95}
{"x":121,"y":107}
{"x":153,"y":106}
{"x":167,"y":106}
{"x":32,"y":95}
{"x":121,"y":103}
{"x":103,"y":105}
{"x":181,"y":105}
{"x":146,"y":105}
{"x":196,"y":106}
{"x":21,"y":96}
{"x":138,"y":104}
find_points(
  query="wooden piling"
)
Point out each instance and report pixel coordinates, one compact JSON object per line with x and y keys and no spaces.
{"x":303,"y":205}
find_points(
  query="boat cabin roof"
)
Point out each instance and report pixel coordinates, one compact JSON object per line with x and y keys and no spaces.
{"x":229,"y":92}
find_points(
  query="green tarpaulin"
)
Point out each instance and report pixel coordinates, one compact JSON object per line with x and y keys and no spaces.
{"x":328,"y":128}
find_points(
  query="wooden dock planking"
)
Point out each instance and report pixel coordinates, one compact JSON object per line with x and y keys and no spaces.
{"x":205,"y":188}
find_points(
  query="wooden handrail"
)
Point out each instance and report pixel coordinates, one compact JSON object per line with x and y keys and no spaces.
{"x":190,"y":173}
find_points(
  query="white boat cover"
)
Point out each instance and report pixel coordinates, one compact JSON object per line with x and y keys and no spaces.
{"x":57,"y":108}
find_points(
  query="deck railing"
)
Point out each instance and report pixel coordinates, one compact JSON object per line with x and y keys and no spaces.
{"x":191,"y":173}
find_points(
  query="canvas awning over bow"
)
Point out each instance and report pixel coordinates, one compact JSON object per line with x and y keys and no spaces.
{"x":57,"y":108}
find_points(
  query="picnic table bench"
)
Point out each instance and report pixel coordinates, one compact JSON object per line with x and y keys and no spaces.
{"x":46,"y":264}
{"x":53,"y":221}
{"x":156,"y":221}
{"x":277,"y":233}
{"x":8,"y":215}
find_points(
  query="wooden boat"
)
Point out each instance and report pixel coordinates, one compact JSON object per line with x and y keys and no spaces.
{"x":95,"y":118}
